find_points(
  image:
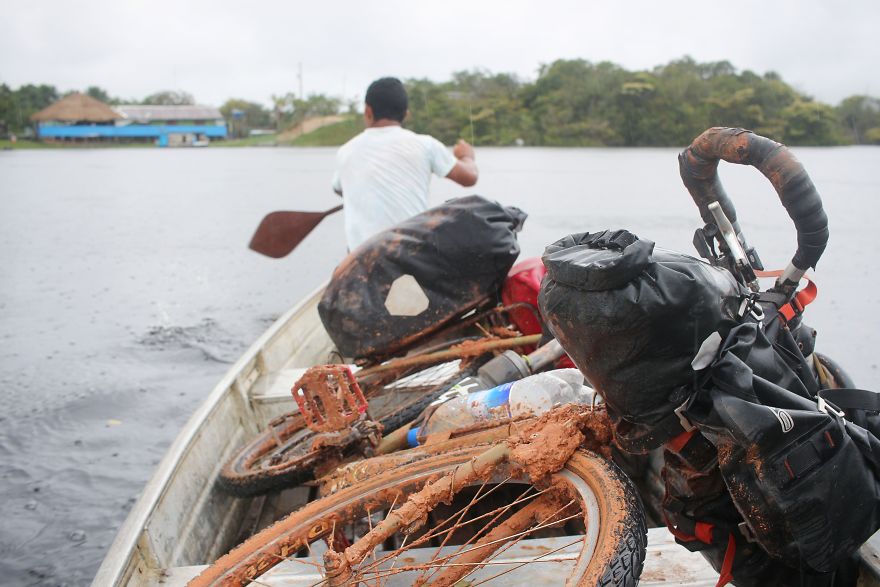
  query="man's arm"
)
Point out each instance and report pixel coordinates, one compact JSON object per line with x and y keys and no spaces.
{"x":465,"y":171}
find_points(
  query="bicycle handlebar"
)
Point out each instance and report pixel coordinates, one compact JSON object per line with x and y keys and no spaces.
{"x":698,"y":165}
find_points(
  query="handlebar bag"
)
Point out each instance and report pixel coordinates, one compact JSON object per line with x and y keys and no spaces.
{"x":632,"y":317}
{"x":803,"y":477}
{"x":410,"y":280}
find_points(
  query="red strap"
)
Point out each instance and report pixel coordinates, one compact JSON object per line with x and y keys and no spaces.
{"x":676,"y":532}
{"x":801,"y":300}
{"x":727,"y":565}
{"x":703,"y":532}
{"x":680,"y":441}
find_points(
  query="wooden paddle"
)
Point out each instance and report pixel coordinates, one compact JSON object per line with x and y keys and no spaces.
{"x":281,"y":232}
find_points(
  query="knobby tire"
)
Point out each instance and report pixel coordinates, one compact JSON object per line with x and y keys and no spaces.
{"x":617,"y":558}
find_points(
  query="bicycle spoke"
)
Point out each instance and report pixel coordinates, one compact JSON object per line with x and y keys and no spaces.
{"x":498,"y":511}
{"x":402,"y":546}
{"x":296,"y":559}
{"x":444,"y":561}
{"x":370,"y":522}
{"x":520,"y":517}
{"x":547,"y":521}
{"x":535,"y":560}
{"x":459,"y":514}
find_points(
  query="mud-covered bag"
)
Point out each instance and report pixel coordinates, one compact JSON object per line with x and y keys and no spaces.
{"x":632,"y":318}
{"x":413,"y":278}
{"x":803,"y":477}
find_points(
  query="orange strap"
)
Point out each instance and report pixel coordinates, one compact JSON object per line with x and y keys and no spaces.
{"x":677,"y":443}
{"x":703,"y":533}
{"x":801,"y":300}
{"x":727,"y":565}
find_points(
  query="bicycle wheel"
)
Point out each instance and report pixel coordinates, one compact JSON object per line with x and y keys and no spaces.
{"x":282,"y":455}
{"x":592,"y":533}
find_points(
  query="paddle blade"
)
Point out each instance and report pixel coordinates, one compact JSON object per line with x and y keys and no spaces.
{"x":280,"y":232}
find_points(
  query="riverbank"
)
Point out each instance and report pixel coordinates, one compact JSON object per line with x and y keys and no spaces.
{"x":321,"y":131}
{"x":24,"y":144}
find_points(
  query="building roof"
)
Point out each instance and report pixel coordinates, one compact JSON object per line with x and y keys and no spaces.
{"x":76,"y":107}
{"x":140,"y":113}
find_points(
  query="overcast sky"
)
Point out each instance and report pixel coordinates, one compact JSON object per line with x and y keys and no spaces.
{"x":217,"y":49}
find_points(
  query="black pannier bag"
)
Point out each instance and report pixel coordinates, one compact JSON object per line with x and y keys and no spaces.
{"x":771,"y":477}
{"x":413,"y":278}
{"x":632,"y":318}
{"x":803,"y":477}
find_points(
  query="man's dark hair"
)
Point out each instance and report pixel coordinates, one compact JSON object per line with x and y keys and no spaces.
{"x":387,"y":97}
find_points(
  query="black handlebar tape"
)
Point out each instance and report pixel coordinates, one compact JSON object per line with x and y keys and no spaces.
{"x":698,"y":165}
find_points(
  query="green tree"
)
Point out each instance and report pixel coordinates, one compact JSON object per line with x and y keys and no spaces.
{"x":289,"y":110}
{"x":99,"y":94}
{"x":872,"y":136}
{"x":436,"y":109}
{"x":858,"y":116}
{"x":17,"y":106}
{"x":169,"y":98}
{"x":8,"y":108}
{"x":810,"y":123}
{"x":253,"y":116}
{"x":574,"y":103}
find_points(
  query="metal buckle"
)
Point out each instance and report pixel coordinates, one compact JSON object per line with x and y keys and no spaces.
{"x":682,"y":419}
{"x":747,"y":533}
{"x":829,"y":408}
{"x":750,"y":305}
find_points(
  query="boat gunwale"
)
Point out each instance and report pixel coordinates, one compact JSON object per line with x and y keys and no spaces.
{"x":117,"y":562}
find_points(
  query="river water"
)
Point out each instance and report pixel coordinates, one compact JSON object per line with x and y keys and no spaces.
{"x":127,"y":290}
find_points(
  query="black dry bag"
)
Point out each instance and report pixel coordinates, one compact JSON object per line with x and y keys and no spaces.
{"x":632,"y":318}
{"x":413,"y":278}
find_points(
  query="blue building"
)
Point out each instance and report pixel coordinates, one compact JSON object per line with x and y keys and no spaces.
{"x":81,"y":118}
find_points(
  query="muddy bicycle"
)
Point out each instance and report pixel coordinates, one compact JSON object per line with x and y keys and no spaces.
{"x":432,"y":515}
{"x":288,"y":452}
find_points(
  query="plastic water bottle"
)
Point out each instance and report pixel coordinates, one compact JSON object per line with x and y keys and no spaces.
{"x":531,"y":396}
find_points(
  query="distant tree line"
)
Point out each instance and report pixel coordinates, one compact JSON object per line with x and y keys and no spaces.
{"x":579,"y":103}
{"x":571,"y":103}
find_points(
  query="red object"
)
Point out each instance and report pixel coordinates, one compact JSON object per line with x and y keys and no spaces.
{"x":800,"y":301}
{"x":522,"y":286}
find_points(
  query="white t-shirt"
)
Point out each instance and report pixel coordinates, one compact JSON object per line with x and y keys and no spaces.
{"x":384,"y":174}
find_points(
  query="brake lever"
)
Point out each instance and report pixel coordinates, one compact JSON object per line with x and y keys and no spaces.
{"x":741,"y":260}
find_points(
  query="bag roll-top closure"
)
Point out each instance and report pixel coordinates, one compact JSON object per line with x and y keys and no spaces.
{"x":598,"y":261}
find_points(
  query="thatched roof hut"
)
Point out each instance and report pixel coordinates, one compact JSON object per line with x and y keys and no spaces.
{"x":76,"y":107}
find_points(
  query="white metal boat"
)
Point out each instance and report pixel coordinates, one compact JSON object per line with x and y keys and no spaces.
{"x":182,"y":521}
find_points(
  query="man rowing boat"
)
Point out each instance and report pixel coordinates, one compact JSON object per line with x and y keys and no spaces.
{"x":385,"y":172}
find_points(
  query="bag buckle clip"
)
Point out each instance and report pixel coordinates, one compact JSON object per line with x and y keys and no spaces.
{"x":747,"y":532}
{"x":682,"y":419}
{"x":750,"y":305}
{"x":829,"y":408}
